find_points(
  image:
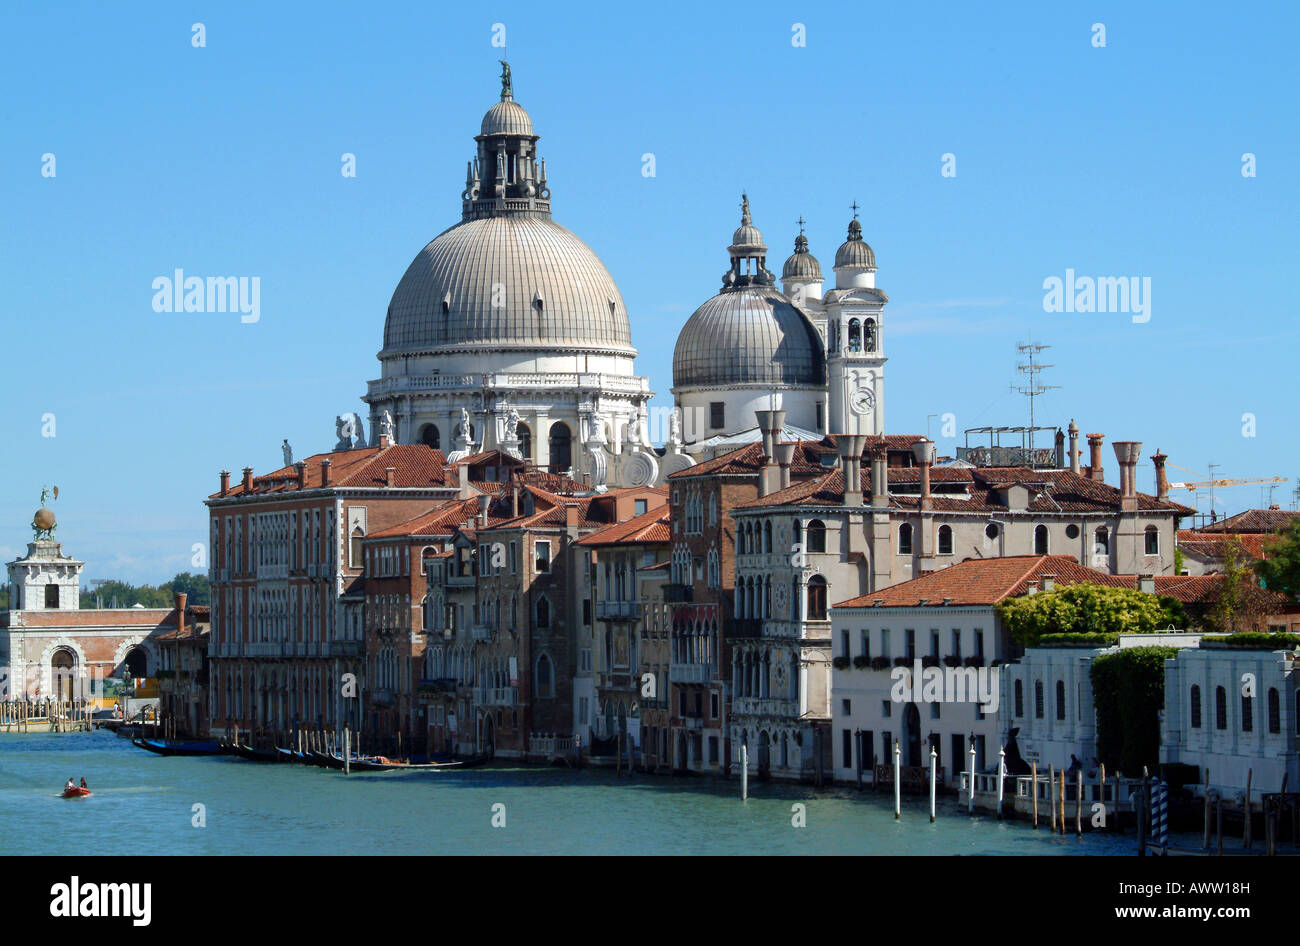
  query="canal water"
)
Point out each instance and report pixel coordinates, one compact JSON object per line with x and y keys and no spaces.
{"x":145,"y":804}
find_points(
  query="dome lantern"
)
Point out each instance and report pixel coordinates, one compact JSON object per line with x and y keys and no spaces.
{"x":506,"y":175}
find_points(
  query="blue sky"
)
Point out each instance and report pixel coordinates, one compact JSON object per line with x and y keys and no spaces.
{"x":225,"y":160}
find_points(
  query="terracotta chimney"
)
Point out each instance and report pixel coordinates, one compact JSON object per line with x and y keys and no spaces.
{"x":923,"y":450}
{"x":879,"y":474}
{"x":225,"y":482}
{"x":483,"y":502}
{"x":325,"y":471}
{"x":390,"y":476}
{"x":514,"y":500}
{"x":248,"y":478}
{"x":784,"y":457}
{"x":1095,"y":472}
{"x":1162,"y":479}
{"x":1074,"y":447}
{"x":462,"y":481}
{"x":1059,"y":449}
{"x":301,"y":467}
{"x":1128,"y":452}
{"x":383,"y":442}
{"x":180,"y":598}
{"x":850,"y":450}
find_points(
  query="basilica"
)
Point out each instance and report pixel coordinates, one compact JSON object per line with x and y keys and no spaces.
{"x":507,"y":333}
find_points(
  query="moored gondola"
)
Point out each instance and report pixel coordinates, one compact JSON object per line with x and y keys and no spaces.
{"x":191,"y":747}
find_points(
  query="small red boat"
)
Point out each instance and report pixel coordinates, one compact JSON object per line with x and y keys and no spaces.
{"x":76,"y":792}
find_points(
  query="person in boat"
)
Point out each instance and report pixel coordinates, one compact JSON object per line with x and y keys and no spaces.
{"x":70,"y":786}
{"x":83,"y":782}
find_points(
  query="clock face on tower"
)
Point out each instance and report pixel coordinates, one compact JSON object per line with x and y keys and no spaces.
{"x":862,"y":400}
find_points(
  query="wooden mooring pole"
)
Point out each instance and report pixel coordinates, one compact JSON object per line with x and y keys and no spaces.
{"x":933,"y":757}
{"x":1033,"y":771}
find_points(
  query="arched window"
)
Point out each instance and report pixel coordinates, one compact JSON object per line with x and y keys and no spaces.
{"x":545,"y":678}
{"x":561,"y":441}
{"x":767,"y":537}
{"x":855,"y":335}
{"x":1101,"y":541}
{"x":1060,"y":699}
{"x":816,"y":536}
{"x":905,"y":539}
{"x":430,"y":437}
{"x":1152,"y":540}
{"x":1196,"y":707}
{"x":354,"y":547}
{"x":543,"y":613}
{"x":137,"y":662}
{"x":1020,"y":698}
{"x":945,"y":540}
{"x":525,"y":436}
{"x":1247,"y":713}
{"x":1038,"y":699}
{"x":1040,"y":540}
{"x":1220,"y":708}
{"x":870,"y":334}
{"x":817,"y":598}
{"x":1274,"y":711}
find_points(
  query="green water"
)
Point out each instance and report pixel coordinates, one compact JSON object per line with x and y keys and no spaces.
{"x":144,"y":803}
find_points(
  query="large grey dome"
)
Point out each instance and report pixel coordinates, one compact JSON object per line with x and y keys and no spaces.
{"x":748,"y":336}
{"x":553,"y":291}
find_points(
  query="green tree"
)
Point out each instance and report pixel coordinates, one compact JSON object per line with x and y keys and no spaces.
{"x":1241,"y":604}
{"x":1086,"y":609}
{"x":1280,"y":569}
{"x":1128,"y":690}
{"x":195,"y":586}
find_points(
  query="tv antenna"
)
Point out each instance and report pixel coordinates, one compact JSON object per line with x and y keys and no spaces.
{"x":1032,"y":387}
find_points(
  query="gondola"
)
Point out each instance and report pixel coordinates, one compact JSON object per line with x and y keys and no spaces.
{"x":251,"y":754}
{"x":195,"y":747}
{"x":381,"y":764}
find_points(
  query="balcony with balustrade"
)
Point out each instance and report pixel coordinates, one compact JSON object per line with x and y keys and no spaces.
{"x":618,"y":610}
{"x":690,"y":672}
{"x":764,"y":706}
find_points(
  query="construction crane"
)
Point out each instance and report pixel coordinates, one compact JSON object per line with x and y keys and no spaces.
{"x":1193,"y":485}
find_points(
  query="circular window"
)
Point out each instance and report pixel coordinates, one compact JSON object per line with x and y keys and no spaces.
{"x":991,"y":530}
{"x":1071,"y":531}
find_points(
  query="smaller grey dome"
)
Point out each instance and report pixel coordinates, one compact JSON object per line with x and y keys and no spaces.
{"x":855,"y":252}
{"x":802,"y":264}
{"x":507,"y":117}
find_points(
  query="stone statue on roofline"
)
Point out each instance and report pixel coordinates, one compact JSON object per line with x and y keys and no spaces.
{"x":386,"y":425}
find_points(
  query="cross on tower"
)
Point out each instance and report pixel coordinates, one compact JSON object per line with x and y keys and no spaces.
{"x":800,"y":221}
{"x":854,"y":205}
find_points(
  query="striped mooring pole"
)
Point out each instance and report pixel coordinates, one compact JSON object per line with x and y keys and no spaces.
{"x":1159,"y":814}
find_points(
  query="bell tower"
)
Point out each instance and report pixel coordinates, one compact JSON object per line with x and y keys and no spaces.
{"x":855,"y":352}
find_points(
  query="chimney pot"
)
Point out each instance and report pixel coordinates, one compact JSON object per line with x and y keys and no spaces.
{"x":181,"y":598}
{"x":1095,"y":472}
{"x":1162,"y":478}
{"x":390,"y":476}
{"x":225,"y":482}
{"x":301,"y":467}
{"x":850,"y":448}
{"x":325,"y":471}
{"x":1074,"y":447}
{"x":784,"y":457}
{"x":248,"y":478}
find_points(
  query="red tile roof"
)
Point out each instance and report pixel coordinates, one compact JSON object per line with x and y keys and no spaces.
{"x":1255,"y":520}
{"x":415,"y":465}
{"x":649,"y":528}
{"x":1211,"y":545}
{"x":1050,"y":491}
{"x":981,"y":581}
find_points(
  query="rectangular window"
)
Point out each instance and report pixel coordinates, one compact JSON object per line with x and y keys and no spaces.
{"x":844,"y":641}
{"x":717,"y":415}
{"x":713,"y":707}
{"x":886,"y":710}
{"x":847,"y":747}
{"x":713,"y":750}
{"x":956,"y":642}
{"x":542,"y":557}
{"x":639,"y":507}
{"x":514,"y":558}
{"x":868,"y":748}
{"x":586,"y":612}
{"x":979,"y":642}
{"x":958,"y":753}
{"x":934,"y":643}
{"x":846,"y":707}
{"x":582,"y":709}
{"x":911,"y":644}
{"x":866,"y":643}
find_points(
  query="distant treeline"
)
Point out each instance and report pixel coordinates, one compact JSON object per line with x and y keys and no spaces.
{"x":122,"y":595}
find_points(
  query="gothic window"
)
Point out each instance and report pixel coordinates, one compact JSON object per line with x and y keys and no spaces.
{"x":1247,"y":713}
{"x":1020,"y":698}
{"x":545,"y":683}
{"x":1060,"y":699}
{"x":354,"y":552}
{"x":1040,"y":540}
{"x":1101,"y":541}
{"x":543,"y":614}
{"x":1038,"y":699}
